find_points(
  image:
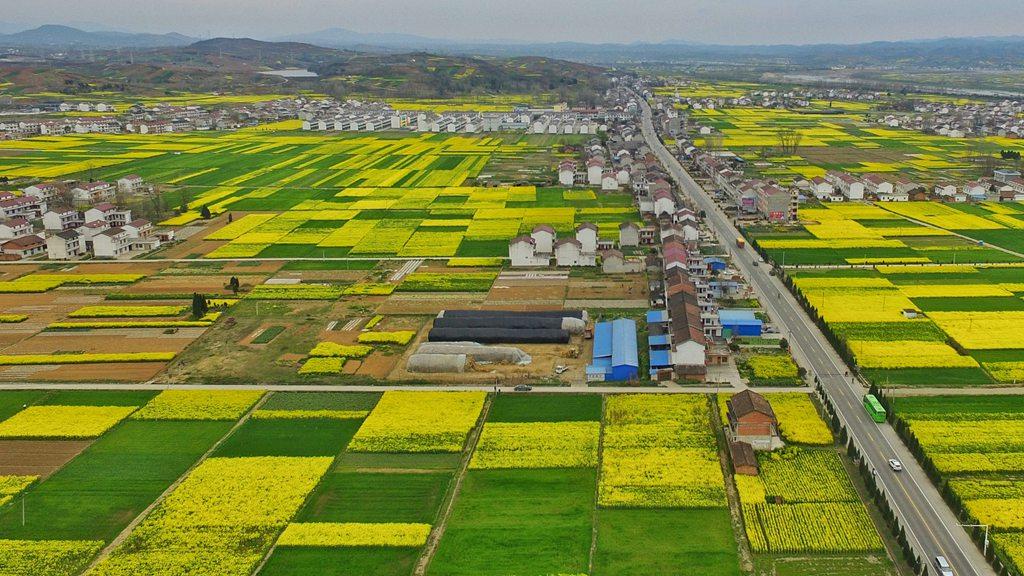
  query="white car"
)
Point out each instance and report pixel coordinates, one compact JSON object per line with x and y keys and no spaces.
{"x":895,"y":464}
{"x":943,"y":565}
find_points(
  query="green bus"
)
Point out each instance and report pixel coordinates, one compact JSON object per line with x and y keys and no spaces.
{"x":874,"y":408}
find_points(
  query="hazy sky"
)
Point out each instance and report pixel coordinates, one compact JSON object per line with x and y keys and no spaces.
{"x":711,"y":21}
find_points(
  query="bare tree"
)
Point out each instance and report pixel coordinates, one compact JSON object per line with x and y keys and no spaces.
{"x":713,"y":141}
{"x":789,"y":141}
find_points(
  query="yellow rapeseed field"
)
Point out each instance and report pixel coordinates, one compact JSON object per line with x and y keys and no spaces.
{"x":63,"y":421}
{"x":419,"y":422}
{"x":198,"y":405}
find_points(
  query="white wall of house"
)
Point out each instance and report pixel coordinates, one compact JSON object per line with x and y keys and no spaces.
{"x":568,"y":254}
{"x":543,"y":240}
{"x":587,"y":238}
{"x":689,"y":353}
{"x":106,"y":246}
{"x":58,"y":248}
{"x":855,"y":191}
{"x":822,"y":190}
{"x":664,"y":206}
{"x":522,"y":254}
{"x":629,"y":236}
{"x":566,"y":177}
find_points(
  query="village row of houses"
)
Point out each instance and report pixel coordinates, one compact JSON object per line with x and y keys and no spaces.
{"x":151,"y":119}
{"x":360,"y":116}
{"x":601,"y":168}
{"x":778,"y":203}
{"x":750,"y":196}
{"x":1005,"y":185}
{"x":540,"y":246}
{"x":971,"y":118}
{"x":78,"y":194}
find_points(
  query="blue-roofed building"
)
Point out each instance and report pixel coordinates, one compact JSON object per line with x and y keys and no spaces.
{"x":615,"y":352}
{"x":714,"y":263}
{"x":657,"y":316}
{"x":660,"y":360}
{"x":741,"y":322}
{"x":659,"y":342}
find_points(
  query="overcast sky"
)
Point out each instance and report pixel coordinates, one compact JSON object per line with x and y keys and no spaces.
{"x":710,"y":21}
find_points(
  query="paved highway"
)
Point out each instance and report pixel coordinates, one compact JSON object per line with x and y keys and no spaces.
{"x":930,"y":525}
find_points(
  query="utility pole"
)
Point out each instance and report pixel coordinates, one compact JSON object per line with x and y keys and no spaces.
{"x":984,"y":548}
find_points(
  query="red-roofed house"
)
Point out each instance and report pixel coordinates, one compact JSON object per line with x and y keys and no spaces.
{"x":24,"y":247}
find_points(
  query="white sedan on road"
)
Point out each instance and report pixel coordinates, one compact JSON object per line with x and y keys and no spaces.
{"x":895,"y":464}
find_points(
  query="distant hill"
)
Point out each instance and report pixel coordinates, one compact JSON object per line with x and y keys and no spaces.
{"x":258,"y":53}
{"x":957,"y":53}
{"x":344,"y":38}
{"x":52,"y":35}
{"x":236,"y":65}
{"x":954,"y":53}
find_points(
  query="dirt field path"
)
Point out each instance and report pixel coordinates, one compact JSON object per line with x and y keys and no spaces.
{"x":597,"y":491}
{"x":142,"y":515}
{"x":446,"y":511}
{"x":461,"y":388}
{"x":732,"y":494}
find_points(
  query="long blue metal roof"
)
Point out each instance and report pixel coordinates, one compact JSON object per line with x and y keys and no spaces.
{"x":624,"y":348}
{"x":737,"y":317}
{"x":615,"y":343}
{"x":603,"y":340}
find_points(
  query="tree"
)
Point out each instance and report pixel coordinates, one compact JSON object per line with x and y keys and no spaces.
{"x":714,"y":141}
{"x":784,"y":344}
{"x":185,"y":199}
{"x":789,"y":141}
{"x":205,"y":212}
{"x":199,"y":305}
{"x":233,"y":284}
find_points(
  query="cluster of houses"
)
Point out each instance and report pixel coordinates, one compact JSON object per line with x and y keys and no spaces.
{"x":1004,"y":118}
{"x":1005,"y":185}
{"x":152,"y":119}
{"x":597,"y":170}
{"x":363,"y":116}
{"x":777,"y":203}
{"x":684,"y":328}
{"x":77,"y":219}
{"x":540,"y":246}
{"x":764,"y":198}
{"x":104,"y":231}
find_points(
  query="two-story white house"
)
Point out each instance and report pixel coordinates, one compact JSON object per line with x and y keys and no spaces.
{"x":130,"y":184}
{"x":65,"y":245}
{"x":62,"y":218}
{"x":111,"y":243}
{"x":108,"y":212}
{"x":92,"y":193}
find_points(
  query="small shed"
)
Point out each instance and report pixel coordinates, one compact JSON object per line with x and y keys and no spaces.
{"x":744,"y":461}
{"x":715,"y":263}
